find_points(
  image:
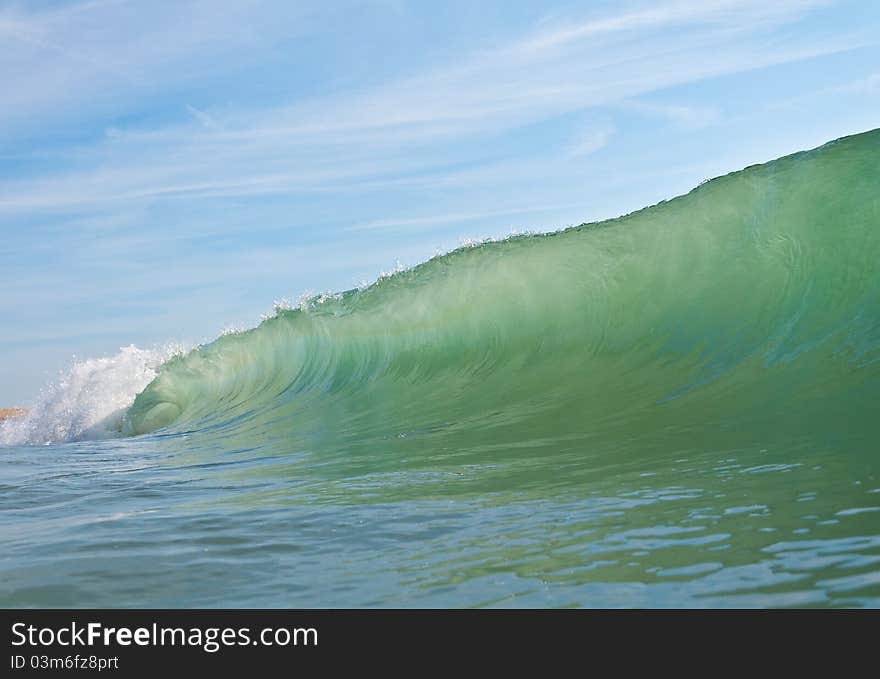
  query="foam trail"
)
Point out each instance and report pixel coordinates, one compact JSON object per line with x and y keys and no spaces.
{"x":88,"y":400}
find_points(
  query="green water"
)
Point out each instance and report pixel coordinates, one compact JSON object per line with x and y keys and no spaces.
{"x":674,"y":408}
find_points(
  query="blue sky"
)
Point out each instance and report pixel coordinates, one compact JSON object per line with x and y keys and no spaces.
{"x":169,"y":169}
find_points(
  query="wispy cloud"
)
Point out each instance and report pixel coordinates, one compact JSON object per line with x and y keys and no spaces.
{"x":70,"y":59}
{"x":206,"y":120}
{"x":736,"y":14}
{"x":376,"y":137}
{"x":687,"y":117}
{"x":591,"y":141}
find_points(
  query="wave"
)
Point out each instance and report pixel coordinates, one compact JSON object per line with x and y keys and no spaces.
{"x":747,"y":310}
{"x":752,"y":301}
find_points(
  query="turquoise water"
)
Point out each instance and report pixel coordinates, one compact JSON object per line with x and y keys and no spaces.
{"x":674,"y":408}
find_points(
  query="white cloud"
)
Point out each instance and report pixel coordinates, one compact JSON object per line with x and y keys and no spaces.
{"x":358,"y":140}
{"x":81,"y":57}
{"x":683,"y":116}
{"x":733,"y":13}
{"x":591,"y":141}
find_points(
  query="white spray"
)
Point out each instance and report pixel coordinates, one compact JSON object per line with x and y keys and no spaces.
{"x":88,"y":400}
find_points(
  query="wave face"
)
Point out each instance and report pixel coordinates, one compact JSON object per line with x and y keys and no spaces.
{"x":746,"y":312}
{"x":674,"y":408}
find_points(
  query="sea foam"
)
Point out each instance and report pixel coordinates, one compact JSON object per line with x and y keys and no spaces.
{"x":88,"y":399}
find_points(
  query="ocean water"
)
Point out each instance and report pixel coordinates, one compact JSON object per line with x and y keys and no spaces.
{"x":678,"y":407}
